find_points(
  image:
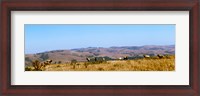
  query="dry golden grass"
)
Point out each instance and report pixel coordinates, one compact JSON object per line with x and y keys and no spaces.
{"x":165,"y":64}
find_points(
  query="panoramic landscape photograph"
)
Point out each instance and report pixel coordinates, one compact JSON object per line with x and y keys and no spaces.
{"x":99,"y":47}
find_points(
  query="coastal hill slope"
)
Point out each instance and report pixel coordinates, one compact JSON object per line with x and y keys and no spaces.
{"x":80,"y":54}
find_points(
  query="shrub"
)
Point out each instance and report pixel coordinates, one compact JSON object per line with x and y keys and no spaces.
{"x":37,"y":65}
{"x":28,"y":69}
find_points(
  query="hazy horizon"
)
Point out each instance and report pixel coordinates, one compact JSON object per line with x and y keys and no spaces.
{"x":47,"y":37}
{"x":99,"y":47}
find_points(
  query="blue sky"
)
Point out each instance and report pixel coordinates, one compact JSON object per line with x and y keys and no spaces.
{"x":47,"y":37}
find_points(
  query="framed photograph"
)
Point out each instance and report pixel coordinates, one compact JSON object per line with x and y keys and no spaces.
{"x":100,"y":47}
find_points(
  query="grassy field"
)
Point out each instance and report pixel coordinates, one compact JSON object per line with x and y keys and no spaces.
{"x":165,"y":64}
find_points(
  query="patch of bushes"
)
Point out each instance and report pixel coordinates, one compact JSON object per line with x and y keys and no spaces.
{"x":37,"y":65}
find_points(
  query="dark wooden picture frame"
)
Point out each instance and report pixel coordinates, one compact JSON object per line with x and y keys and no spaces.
{"x":99,"y":5}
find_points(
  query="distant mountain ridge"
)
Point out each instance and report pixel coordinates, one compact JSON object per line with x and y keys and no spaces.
{"x":114,"y":52}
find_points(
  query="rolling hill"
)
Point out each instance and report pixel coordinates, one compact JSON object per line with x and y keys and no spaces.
{"x":80,"y":54}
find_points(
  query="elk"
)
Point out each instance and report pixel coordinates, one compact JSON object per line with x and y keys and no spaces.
{"x":120,"y":58}
{"x":146,"y":56}
{"x":160,"y":56}
{"x":47,"y":62}
{"x":92,"y":60}
{"x":125,"y":58}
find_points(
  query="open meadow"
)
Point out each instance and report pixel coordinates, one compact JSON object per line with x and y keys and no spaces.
{"x":143,"y":64}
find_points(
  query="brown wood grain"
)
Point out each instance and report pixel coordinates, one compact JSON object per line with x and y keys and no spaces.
{"x":98,"y":5}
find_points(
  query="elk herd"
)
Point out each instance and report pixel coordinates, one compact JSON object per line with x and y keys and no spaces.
{"x":96,"y":59}
{"x":102,"y":59}
{"x":158,"y":56}
{"x":92,"y":60}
